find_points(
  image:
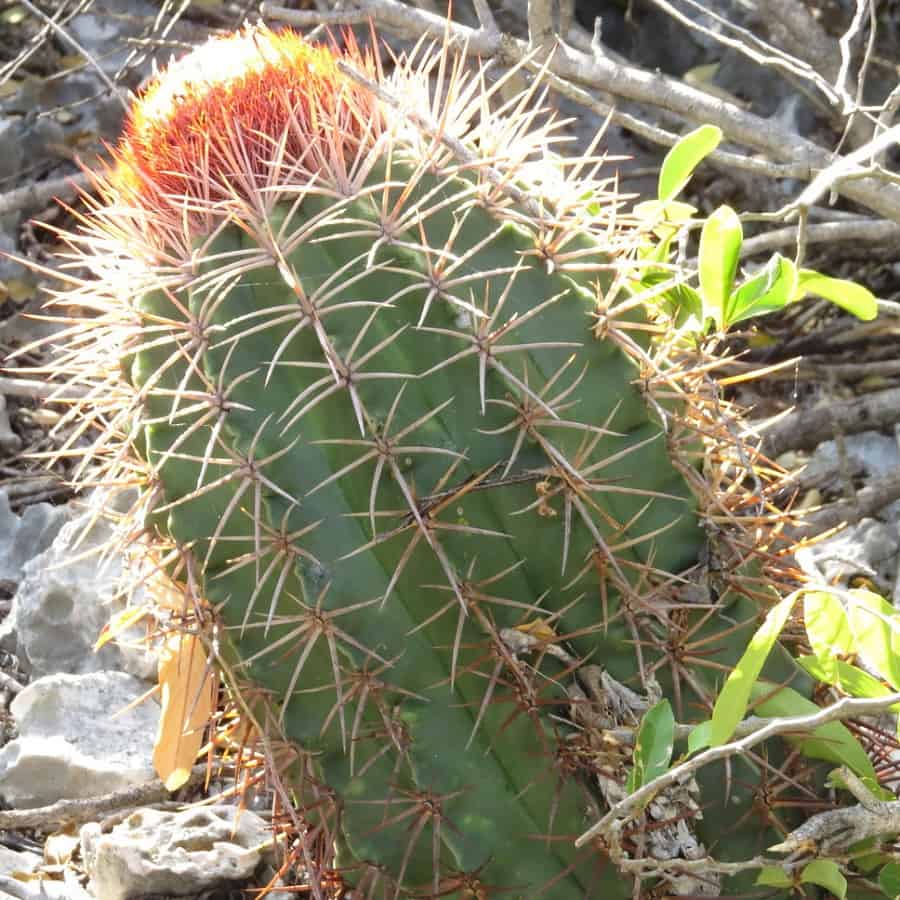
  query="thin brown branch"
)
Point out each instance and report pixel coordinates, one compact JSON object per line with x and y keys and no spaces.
{"x":76,"y":812}
{"x":846,"y":708}
{"x":35,"y":196}
{"x":602,"y":73}
{"x":807,"y":428}
{"x":869,"y":500}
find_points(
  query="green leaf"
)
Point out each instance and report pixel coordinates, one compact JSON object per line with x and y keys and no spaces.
{"x":827,"y":874}
{"x":827,"y":629}
{"x":768,"y":291}
{"x":854,"y":298}
{"x":864,"y":857}
{"x":653,"y":748}
{"x":876,"y":629}
{"x":889,"y":879}
{"x":832,"y":742}
{"x":774,"y":876}
{"x":720,"y":248}
{"x":836,"y":780}
{"x":673,"y":212}
{"x":699,"y":737}
{"x":684,"y":157}
{"x":848,"y":678}
{"x":731,"y":704}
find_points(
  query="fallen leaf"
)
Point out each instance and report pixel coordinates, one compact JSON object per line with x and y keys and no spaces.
{"x":187,"y":695}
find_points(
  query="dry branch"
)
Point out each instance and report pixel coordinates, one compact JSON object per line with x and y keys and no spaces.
{"x":602,"y":73}
{"x":807,"y":428}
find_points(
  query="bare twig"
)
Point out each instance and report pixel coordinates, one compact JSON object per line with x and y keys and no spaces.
{"x":632,"y":83}
{"x":871,"y":231}
{"x":869,"y":500}
{"x":540,"y":23}
{"x":753,"y":47}
{"x":846,"y":39}
{"x":87,"y":810}
{"x":69,"y":39}
{"x":34,"y":196}
{"x":845,"y":167}
{"x":486,"y":16}
{"x":836,"y":830}
{"x":40,"y":390}
{"x":807,"y":428}
{"x":846,"y":708}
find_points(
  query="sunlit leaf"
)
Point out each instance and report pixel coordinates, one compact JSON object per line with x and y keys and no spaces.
{"x":827,"y":628}
{"x":653,"y":747}
{"x":827,"y":874}
{"x":832,"y":742}
{"x":684,"y":157}
{"x":854,"y":298}
{"x":876,"y":629}
{"x":849,"y":678}
{"x":768,"y":291}
{"x":720,"y":248}
{"x":731,"y":704}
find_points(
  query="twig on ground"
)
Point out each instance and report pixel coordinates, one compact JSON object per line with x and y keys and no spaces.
{"x":807,"y":428}
{"x":631,"y":83}
{"x":40,"y":390}
{"x":878,"y":493}
{"x":68,"y":38}
{"x":77,"y":812}
{"x":846,"y":708}
{"x":34,"y":196}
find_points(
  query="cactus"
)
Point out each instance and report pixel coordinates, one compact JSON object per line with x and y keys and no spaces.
{"x":405,"y":439}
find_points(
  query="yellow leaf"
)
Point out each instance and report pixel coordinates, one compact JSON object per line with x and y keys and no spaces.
{"x":538,"y":628}
{"x":118,"y":623}
{"x":187,"y":693}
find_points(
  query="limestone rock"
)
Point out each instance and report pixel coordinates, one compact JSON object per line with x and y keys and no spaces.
{"x":24,"y":537}
{"x":65,"y":597}
{"x":75,"y":742}
{"x":173,"y":853}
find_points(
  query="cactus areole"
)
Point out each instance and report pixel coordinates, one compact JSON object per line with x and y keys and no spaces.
{"x":361,"y":338}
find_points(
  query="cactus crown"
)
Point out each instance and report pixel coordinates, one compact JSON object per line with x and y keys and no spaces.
{"x":403,"y":435}
{"x":221,"y":122}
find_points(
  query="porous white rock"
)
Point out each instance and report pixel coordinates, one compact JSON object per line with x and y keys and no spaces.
{"x":24,"y":537}
{"x":76,"y":741}
{"x":65,"y":597}
{"x":173,"y":853}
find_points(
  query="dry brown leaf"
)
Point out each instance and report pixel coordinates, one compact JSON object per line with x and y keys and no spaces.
{"x":187,"y":694}
{"x":118,"y":623}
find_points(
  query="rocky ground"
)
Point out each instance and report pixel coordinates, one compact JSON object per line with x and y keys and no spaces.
{"x":79,"y":794}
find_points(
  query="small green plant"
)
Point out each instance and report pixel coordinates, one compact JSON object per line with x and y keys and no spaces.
{"x":720,"y":299}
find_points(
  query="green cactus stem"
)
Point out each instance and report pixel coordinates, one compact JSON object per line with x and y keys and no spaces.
{"x":398,"y":424}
